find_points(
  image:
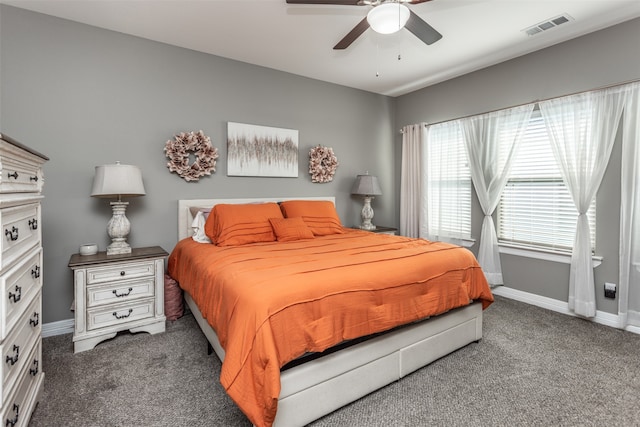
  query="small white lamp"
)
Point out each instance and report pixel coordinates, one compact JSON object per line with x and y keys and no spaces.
{"x":388,"y":18}
{"x":366,"y":186}
{"x":117,"y":181}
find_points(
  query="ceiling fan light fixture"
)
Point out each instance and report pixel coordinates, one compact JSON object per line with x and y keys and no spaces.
{"x":388,"y":18}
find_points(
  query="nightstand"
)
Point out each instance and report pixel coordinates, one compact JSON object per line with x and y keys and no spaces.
{"x":116,"y":293}
{"x":381,"y":230}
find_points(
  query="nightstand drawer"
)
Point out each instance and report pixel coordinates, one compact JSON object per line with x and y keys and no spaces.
{"x":19,"y":285}
{"x":20,"y":232}
{"x":120,"y":272}
{"x":18,"y":345}
{"x":119,"y":314}
{"x":120,"y":292}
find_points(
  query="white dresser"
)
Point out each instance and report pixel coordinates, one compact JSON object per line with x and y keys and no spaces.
{"x":21,"y":183}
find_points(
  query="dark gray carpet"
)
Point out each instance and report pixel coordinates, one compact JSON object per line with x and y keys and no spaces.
{"x":533,"y":367}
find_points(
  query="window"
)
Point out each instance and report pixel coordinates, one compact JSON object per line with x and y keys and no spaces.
{"x":446,"y":184}
{"x":536,"y":209}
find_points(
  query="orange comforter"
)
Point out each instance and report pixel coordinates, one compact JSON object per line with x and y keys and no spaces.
{"x":272,"y":302}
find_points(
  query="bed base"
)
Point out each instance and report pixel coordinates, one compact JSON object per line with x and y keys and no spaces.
{"x":325,"y":384}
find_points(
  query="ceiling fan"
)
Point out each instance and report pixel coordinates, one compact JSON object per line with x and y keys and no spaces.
{"x":386,"y":17}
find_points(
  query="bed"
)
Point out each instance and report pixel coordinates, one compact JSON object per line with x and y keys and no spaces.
{"x":371,"y":349}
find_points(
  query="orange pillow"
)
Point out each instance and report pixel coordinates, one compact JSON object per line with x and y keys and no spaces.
{"x":232,"y":225}
{"x":210,"y":226}
{"x":319,"y":215}
{"x":290,"y":229}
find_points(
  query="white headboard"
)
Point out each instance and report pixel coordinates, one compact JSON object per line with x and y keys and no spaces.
{"x":185,"y":218}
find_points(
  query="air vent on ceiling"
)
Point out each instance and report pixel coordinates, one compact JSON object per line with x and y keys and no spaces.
{"x":548,"y":24}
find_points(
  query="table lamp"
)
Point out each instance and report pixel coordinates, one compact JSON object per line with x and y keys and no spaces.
{"x":366,"y":186}
{"x":117,"y":181}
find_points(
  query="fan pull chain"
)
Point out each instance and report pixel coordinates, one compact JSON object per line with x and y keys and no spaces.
{"x":377,"y":60}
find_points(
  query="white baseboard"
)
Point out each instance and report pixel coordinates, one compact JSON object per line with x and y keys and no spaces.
{"x":602,"y":317}
{"x":57,"y":328}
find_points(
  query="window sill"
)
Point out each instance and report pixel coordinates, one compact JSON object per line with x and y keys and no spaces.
{"x":544,"y":255}
{"x":467,"y":243}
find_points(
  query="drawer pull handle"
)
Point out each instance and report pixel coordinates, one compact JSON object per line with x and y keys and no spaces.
{"x":35,"y":272}
{"x":120,"y":316}
{"x":34,"y":371}
{"x":13,"y":233}
{"x":122,"y":273}
{"x":12,"y":360}
{"x":35,"y":319}
{"x":33,"y":224}
{"x":14,"y":421}
{"x":16,"y":297}
{"x":13,"y":175}
{"x":124,"y":294}
{"x":33,"y":178}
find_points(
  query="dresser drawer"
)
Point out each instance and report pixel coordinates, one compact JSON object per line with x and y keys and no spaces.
{"x":19,"y":174}
{"x":20,"y":228}
{"x":19,"y":286}
{"x":18,"y":345}
{"x":117,"y":314}
{"x":120,"y":292}
{"x":18,"y":407}
{"x":123,"y":271}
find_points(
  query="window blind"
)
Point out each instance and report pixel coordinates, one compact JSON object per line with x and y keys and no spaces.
{"x":536,"y":209}
{"x":447,"y":183}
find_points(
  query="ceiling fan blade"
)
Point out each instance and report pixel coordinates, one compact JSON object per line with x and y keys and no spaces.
{"x":353,"y":35}
{"x":422,"y":30}
{"x":343,"y":2}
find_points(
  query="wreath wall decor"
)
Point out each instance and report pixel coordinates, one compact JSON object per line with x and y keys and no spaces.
{"x":189,"y":145}
{"x":322,"y":164}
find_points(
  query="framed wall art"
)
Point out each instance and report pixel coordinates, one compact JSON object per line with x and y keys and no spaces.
{"x":254,"y":150}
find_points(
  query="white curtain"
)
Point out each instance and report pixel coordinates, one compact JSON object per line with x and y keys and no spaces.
{"x":629,"y":283}
{"x":446,"y":185}
{"x":491,"y":141}
{"x":582,"y":130}
{"x":410,"y":180}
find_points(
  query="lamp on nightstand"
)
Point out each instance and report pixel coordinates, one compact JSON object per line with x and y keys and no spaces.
{"x":117,"y":181}
{"x":366,"y":186}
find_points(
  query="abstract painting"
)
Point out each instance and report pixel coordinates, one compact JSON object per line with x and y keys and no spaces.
{"x":254,"y":150}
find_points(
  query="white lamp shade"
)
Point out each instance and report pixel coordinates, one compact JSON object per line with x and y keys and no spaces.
{"x":388,"y":18}
{"x":117,"y":180}
{"x":366,"y":185}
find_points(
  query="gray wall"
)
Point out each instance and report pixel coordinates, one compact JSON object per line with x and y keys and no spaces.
{"x":606,"y":57}
{"x":85,"y":97}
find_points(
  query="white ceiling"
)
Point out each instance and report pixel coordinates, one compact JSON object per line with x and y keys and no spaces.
{"x":299,"y":38}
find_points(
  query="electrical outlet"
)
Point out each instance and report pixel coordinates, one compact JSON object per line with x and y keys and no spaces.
{"x":609,"y":290}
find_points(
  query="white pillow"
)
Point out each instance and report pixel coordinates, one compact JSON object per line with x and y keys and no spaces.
{"x":198,"y":227}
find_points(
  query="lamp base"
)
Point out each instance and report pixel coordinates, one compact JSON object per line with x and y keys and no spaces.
{"x":118,"y":229}
{"x":118,"y":248}
{"x":369,"y":227}
{"x":367,"y":214}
